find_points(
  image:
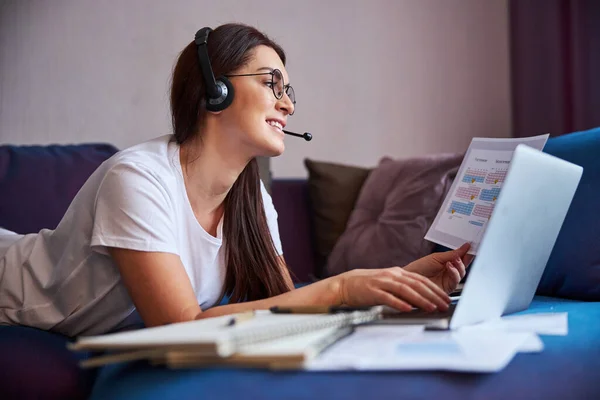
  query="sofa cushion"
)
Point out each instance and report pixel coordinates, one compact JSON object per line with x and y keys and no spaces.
{"x":567,"y":368}
{"x":573,"y":270}
{"x":333,"y":190}
{"x":42,"y":181}
{"x":36,"y":364}
{"x":397,"y":204}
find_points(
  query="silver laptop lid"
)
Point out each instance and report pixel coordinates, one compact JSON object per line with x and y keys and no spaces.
{"x":519,"y":237}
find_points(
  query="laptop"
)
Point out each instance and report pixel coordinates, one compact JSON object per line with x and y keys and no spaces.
{"x":516,"y":245}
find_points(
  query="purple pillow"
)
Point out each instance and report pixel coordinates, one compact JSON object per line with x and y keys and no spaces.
{"x":39,"y":182}
{"x":396,"y":206}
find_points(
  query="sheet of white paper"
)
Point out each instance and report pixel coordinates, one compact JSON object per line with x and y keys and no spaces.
{"x":533,"y":344}
{"x":397,"y":347}
{"x":472,"y":197}
{"x":540,"y":323}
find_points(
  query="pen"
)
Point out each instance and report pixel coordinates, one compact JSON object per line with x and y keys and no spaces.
{"x":316,"y":309}
{"x":241,"y":317}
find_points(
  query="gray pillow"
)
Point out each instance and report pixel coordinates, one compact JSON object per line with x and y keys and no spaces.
{"x":395,"y":208}
{"x":333,"y":189}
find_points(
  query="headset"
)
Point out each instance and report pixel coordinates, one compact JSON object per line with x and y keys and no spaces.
{"x":219,"y":91}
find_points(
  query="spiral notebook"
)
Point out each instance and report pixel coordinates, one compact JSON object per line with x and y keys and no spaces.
{"x":289,"y":352}
{"x":213,"y":337}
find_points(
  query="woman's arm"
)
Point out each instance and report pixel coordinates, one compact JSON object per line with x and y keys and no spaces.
{"x":158,"y":285}
{"x":324,"y":292}
{"x":162,"y":292}
{"x":394,"y":287}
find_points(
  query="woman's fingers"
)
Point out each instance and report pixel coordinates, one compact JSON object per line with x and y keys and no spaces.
{"x":456,"y":275}
{"x":407,"y":293}
{"x":440,"y":300}
{"x":460,"y":266}
{"x":417,"y":290}
{"x":468,"y":259}
{"x":432,"y":286}
{"x":387,"y":299}
{"x":464,"y":248}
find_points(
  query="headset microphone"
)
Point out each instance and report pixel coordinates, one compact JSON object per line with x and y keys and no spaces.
{"x":307,"y":136}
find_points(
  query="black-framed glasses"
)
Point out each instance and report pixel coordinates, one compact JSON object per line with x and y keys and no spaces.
{"x":277,"y":85}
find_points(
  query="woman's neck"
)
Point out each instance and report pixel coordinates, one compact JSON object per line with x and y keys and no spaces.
{"x":209,"y":171}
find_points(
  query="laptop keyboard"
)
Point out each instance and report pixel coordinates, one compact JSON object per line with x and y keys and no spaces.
{"x":418,"y":313}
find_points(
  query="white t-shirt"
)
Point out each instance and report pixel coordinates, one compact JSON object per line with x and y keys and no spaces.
{"x":63,"y":280}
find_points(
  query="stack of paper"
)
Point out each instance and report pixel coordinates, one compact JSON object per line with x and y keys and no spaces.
{"x":263,"y":339}
{"x":293,"y":352}
{"x":487,"y":347}
{"x":411,"y":348}
{"x":328,"y":342}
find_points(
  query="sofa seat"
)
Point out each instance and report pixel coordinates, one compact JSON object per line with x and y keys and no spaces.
{"x":566,"y":369}
{"x":36,"y":364}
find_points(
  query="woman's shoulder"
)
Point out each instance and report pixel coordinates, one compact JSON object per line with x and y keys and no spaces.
{"x":157,"y":157}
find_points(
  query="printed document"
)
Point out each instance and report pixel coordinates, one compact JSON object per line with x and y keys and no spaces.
{"x":555,"y":324}
{"x":470,"y":201}
{"x":394,"y":347}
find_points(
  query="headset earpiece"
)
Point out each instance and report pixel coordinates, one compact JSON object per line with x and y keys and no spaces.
{"x":219,"y":92}
{"x":223,"y":101}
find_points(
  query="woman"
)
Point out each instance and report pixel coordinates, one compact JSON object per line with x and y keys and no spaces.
{"x":166,"y":228}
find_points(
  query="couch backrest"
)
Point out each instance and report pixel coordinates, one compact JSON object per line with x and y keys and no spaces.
{"x":573,"y":270}
{"x":37,"y":183}
{"x":290,"y":198}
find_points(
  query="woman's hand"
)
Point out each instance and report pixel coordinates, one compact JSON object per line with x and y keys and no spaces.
{"x":395,"y":287}
{"x":445,"y":269}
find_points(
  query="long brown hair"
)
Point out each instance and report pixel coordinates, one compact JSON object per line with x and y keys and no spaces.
{"x":253,"y":270}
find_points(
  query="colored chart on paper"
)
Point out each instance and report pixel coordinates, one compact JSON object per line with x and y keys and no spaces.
{"x":483,"y":211}
{"x":476,"y":223}
{"x":490,"y":194}
{"x":496,"y":177}
{"x":470,"y":202}
{"x":467,"y":193}
{"x":460,"y":207}
{"x":474,"y":175}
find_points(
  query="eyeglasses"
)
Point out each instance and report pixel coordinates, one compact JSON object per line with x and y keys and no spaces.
{"x":277,"y":85}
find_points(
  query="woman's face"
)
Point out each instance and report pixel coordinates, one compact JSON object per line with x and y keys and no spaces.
{"x":256,"y":117}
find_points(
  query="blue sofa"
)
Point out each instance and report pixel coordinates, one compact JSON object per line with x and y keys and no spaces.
{"x":38,"y":182}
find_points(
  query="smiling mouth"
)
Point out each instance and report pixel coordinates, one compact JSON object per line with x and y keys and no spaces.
{"x":275,"y":125}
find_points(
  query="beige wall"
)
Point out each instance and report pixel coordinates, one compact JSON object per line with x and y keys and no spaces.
{"x":373,"y":78}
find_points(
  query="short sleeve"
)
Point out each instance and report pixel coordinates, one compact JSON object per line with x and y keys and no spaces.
{"x":133,"y":210}
{"x":271,"y":214}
